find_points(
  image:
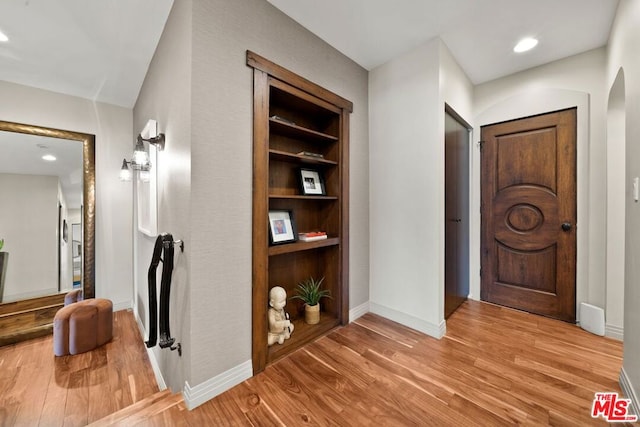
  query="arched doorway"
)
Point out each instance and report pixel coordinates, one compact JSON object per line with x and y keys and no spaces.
{"x":616,"y":184}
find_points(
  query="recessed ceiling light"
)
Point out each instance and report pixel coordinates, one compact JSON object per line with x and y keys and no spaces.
{"x":49,"y":158}
{"x":3,"y":37}
{"x":525,"y":45}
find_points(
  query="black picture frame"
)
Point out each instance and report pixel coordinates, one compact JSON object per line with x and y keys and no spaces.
{"x":282,"y":227}
{"x":311,"y":182}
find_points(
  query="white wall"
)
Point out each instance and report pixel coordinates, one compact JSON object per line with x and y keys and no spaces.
{"x":623,"y":53}
{"x":455,"y":87}
{"x":200,"y":90}
{"x":406,"y":116}
{"x":112,"y":127}
{"x":28,"y":225}
{"x":616,"y":146}
{"x":406,"y":162}
{"x":574,"y":81}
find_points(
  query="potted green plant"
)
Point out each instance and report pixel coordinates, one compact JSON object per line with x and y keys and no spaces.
{"x":4,"y":260}
{"x":310,"y":293}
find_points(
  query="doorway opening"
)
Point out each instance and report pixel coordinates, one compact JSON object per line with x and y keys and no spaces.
{"x":457,"y":232}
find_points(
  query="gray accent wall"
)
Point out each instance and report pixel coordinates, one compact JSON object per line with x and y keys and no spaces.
{"x":166,"y":97}
{"x":200,"y":90}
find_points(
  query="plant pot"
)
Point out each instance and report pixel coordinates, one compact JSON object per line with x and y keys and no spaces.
{"x":312,"y":314}
{"x":4,"y":260}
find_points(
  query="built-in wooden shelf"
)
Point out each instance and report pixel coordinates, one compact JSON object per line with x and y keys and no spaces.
{"x":296,"y":131}
{"x":288,"y":248}
{"x":300,"y":197}
{"x":297,"y":158}
{"x":292,"y":115}
{"x":303,"y":334}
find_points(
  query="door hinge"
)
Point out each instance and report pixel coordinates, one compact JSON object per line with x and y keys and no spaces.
{"x":481,"y":144}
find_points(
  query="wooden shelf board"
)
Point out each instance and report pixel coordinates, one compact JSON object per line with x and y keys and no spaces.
{"x":302,"y":246}
{"x":303,"y":334}
{"x":300,"y":197}
{"x":296,"y":131}
{"x":291,"y":157}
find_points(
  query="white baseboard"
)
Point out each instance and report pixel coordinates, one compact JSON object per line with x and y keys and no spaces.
{"x":162,"y":385}
{"x":123,"y":305}
{"x":629,"y":391}
{"x":34,"y":294}
{"x":432,"y":329}
{"x":358,"y":311}
{"x":201,"y":393}
{"x":614,"y":332}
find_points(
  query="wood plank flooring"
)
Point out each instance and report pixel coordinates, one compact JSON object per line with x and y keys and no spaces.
{"x":495,"y":367}
{"x":39,"y":389}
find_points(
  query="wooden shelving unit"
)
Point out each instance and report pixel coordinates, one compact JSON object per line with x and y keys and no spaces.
{"x":291,"y":116}
{"x":296,"y":158}
{"x":303,"y":246}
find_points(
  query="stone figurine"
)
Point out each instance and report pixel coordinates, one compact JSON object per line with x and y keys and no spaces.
{"x":280,"y":328}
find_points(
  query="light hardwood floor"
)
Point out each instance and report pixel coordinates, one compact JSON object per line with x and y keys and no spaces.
{"x":39,"y":389}
{"x":494,"y":367}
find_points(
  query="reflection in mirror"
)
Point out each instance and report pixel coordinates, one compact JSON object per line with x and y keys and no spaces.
{"x":47,"y":188}
{"x":41,"y":192}
{"x":76,"y":253}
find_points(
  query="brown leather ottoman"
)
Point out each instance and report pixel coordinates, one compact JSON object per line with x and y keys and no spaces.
{"x":82,"y":326}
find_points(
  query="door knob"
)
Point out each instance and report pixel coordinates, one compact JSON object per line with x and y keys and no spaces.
{"x":566,"y":226}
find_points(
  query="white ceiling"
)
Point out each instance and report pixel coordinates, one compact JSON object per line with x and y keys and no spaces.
{"x":22,"y":154}
{"x":94,"y":49}
{"x":101,"y":49}
{"x":480,"y":34}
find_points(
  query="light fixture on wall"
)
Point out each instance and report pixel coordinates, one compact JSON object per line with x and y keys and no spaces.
{"x":140,"y":160}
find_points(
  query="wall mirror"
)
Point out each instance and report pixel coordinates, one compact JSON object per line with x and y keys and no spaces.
{"x":47,"y":211}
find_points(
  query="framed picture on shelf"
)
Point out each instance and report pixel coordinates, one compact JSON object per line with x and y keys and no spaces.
{"x":311,"y":182}
{"x":282,"y":228}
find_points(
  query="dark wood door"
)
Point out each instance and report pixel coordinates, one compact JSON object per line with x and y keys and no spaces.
{"x":456,"y":246}
{"x":528,"y":212}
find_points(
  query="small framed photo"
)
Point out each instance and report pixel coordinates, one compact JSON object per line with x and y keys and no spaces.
{"x":282,"y":228}
{"x":311,"y":182}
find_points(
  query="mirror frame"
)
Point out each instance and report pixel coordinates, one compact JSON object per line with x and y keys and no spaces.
{"x":88,"y":191}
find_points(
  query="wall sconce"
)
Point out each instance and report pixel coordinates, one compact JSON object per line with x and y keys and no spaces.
{"x":140,"y":160}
